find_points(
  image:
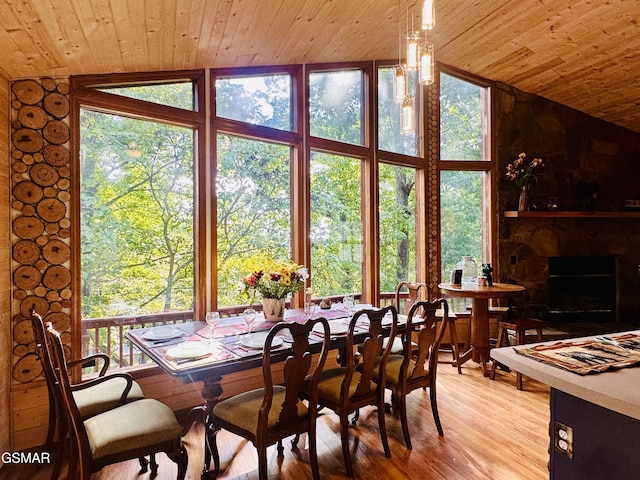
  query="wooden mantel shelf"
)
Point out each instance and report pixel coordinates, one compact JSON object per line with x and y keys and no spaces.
{"x":566,"y":214}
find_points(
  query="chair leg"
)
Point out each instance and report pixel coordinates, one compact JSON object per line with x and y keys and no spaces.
{"x":53,"y":420}
{"x":262,"y":463}
{"x":519,"y":341}
{"x":383,"y":428}
{"x":144,"y":464}
{"x":401,"y":402}
{"x":181,"y":458}
{"x":294,"y":442}
{"x":344,"y":436}
{"x":455,"y":349}
{"x":154,"y":465}
{"x":280,"y":448}
{"x":313,"y":451}
{"x":62,"y":427}
{"x":492,"y":372}
{"x":356,"y":416}
{"x":434,"y":407}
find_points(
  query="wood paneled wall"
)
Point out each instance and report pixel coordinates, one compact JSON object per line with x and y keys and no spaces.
{"x":5,"y":271}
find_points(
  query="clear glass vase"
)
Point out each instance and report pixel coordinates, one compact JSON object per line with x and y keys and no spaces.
{"x":523,"y":200}
{"x":469,"y":269}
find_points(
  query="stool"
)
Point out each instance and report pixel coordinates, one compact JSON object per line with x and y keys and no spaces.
{"x":519,"y":326}
{"x":453,"y":335}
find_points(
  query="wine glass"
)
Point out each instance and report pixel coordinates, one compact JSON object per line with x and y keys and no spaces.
{"x":249,"y":317}
{"x":309,"y":309}
{"x":212,"y":319}
{"x":347,"y":302}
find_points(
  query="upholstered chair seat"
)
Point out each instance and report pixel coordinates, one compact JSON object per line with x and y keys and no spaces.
{"x":105,"y":396}
{"x":242,"y":410}
{"x":131,"y":426}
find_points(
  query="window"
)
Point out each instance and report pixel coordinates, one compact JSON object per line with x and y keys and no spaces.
{"x":464,"y":173}
{"x":136,"y":189}
{"x":460,"y":217}
{"x":336,"y":105}
{"x":258,"y":99}
{"x":463,"y":123}
{"x":391,"y":138}
{"x":253,"y":203}
{"x":179,"y":95}
{"x":168,"y":234}
{"x":137,"y":170}
{"x":336,"y":226}
{"x":397,"y":212}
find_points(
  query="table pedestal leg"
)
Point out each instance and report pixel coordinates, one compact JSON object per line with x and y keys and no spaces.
{"x":480,"y":332}
{"x":211,"y":392}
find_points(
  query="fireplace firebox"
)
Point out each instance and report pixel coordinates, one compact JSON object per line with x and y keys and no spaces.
{"x":582,"y":289}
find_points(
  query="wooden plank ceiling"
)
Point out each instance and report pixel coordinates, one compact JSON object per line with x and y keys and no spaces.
{"x":581,"y":53}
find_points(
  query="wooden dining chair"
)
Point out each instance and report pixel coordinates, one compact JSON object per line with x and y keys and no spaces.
{"x":92,"y":396}
{"x":417,"y":368}
{"x":267,"y":415}
{"x":347,"y":389}
{"x":132,"y":430}
{"x":417,"y":292}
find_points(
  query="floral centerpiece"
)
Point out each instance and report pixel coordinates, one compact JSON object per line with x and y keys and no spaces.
{"x":522,"y":173}
{"x":274,"y":282}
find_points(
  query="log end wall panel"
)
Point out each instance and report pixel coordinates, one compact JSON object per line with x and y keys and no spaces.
{"x":37,"y":268}
{"x":40,"y":198}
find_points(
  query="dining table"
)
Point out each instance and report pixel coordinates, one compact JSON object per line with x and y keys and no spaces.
{"x":190,"y":353}
{"x":480,"y":296}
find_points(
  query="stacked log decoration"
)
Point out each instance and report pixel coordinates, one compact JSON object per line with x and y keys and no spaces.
{"x":40,"y":183}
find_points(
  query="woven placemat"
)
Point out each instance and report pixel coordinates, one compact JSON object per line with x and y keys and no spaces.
{"x":588,"y":357}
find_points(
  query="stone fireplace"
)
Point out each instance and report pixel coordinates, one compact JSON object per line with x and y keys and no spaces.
{"x":591,"y":171}
{"x":532,"y":249}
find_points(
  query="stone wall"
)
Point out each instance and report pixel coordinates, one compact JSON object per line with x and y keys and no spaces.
{"x":589,"y":165}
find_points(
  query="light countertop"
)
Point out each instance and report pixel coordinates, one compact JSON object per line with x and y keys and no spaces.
{"x":617,"y":390}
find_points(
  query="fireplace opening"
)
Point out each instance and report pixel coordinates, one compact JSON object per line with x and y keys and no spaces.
{"x":582,"y":289}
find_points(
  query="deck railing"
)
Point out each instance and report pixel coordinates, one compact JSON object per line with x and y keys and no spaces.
{"x":108,"y":334}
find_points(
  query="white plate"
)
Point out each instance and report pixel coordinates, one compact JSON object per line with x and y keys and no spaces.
{"x":362,"y":306}
{"x":256,"y":340}
{"x":188,"y":350}
{"x":335,"y":328}
{"x":162,"y":332}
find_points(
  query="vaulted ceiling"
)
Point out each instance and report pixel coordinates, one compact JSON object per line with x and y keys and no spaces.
{"x":581,"y":53}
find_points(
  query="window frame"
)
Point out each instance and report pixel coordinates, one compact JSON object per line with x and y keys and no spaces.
{"x":207,"y":126}
{"x":488,"y":165}
{"x":84,"y":94}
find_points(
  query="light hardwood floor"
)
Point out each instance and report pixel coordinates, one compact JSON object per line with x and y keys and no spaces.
{"x":492,"y":431}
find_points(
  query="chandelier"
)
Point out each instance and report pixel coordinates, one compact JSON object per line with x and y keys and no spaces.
{"x":420,"y":58}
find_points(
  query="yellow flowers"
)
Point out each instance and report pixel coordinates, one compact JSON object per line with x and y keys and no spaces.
{"x":276,"y":280}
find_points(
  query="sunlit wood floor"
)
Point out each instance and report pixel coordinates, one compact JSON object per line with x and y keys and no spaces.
{"x":491,"y":431}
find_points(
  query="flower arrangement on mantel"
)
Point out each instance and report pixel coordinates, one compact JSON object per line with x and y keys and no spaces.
{"x":522,"y":173}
